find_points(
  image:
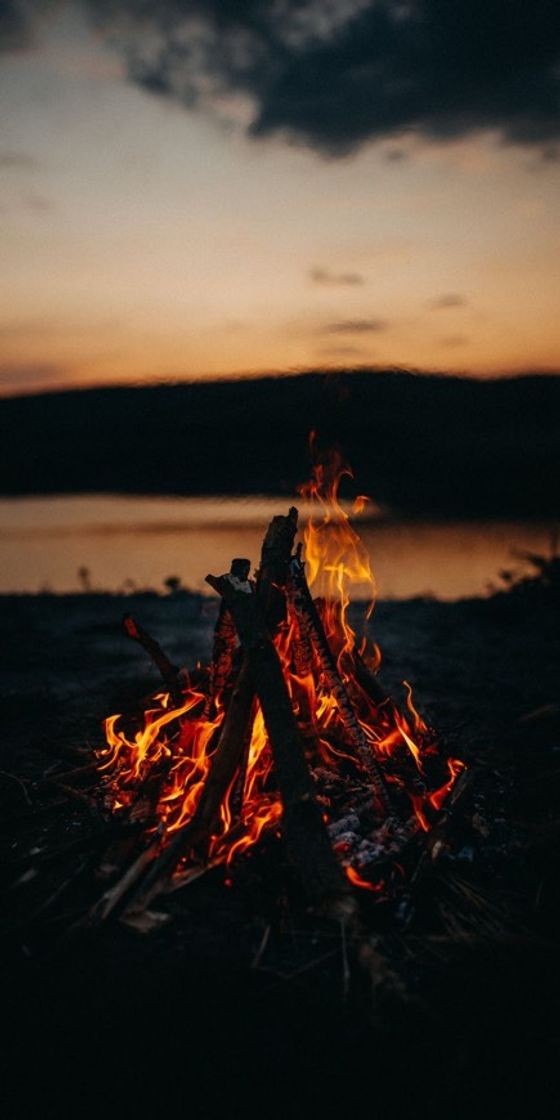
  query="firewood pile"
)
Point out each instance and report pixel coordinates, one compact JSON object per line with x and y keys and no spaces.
{"x":294,"y":834}
{"x":287,"y":733}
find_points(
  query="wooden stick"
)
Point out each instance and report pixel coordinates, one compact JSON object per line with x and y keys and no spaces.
{"x":115,"y":897}
{"x":273,"y":573}
{"x":435,"y":838}
{"x":225,"y":641}
{"x":169,"y":672}
{"x":66,"y":775}
{"x":370,"y":683}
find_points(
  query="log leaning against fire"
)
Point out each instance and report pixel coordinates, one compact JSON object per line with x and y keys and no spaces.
{"x":311,"y":625}
{"x":302,"y":825}
{"x":170,"y":674}
{"x":155,"y":866}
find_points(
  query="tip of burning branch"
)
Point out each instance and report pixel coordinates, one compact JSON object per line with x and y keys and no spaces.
{"x":129,"y":626}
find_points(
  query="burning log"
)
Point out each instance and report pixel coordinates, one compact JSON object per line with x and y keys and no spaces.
{"x":225,"y":642}
{"x":435,"y":838}
{"x":222,"y":656}
{"x":273,"y":573}
{"x":311,"y":625}
{"x":369,"y":682}
{"x":197,"y":831}
{"x":227,"y":757}
{"x":302,"y":823}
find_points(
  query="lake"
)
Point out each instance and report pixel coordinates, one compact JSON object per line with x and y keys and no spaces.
{"x":137,"y":542}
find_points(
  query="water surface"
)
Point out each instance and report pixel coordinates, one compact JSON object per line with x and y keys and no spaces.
{"x":127,"y":542}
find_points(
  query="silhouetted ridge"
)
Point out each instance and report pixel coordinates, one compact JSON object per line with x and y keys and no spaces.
{"x":422,"y":445}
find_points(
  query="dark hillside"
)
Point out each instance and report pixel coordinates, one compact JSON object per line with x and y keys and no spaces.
{"x":422,"y":445}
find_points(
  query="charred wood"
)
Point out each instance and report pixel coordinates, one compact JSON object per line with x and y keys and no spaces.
{"x":225,"y":643}
{"x":169,"y":672}
{"x":273,"y":572}
{"x":369,"y":682}
{"x":302,"y":823}
{"x":435,"y":841}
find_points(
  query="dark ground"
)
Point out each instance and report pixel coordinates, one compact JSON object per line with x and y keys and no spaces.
{"x":186,"y":1019}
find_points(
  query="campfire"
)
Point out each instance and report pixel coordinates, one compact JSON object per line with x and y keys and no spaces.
{"x":288,"y":734}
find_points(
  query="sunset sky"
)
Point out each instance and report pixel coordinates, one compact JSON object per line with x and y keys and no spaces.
{"x":194,"y":189}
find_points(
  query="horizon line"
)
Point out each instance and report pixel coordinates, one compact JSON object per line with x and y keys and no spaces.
{"x":278,"y":374}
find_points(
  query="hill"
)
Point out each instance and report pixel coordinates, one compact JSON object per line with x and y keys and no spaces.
{"x":423,"y":445}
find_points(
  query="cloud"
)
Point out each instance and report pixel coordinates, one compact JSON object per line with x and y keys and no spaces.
{"x":18,"y":161}
{"x":343,"y":352}
{"x":325,"y":277}
{"x":453,"y":341}
{"x":15,"y":26}
{"x":448,"y":300}
{"x":37,"y":202}
{"x":396,"y":155}
{"x":22,"y":377}
{"x":550,"y":153}
{"x":335,"y":75}
{"x":37,"y":328}
{"x":355,"y":326}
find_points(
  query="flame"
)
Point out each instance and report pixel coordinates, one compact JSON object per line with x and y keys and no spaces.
{"x":158,"y":765}
{"x":336,"y":559}
{"x":357,"y":881}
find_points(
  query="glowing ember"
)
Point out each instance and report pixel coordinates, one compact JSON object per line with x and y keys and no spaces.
{"x":365,"y":755}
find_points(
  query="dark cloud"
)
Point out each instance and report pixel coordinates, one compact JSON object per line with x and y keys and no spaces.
{"x":336,"y":75}
{"x":325,"y":277}
{"x":450,"y":299}
{"x":22,"y":377}
{"x":343,"y":352}
{"x":355,"y":326}
{"x":15,"y":26}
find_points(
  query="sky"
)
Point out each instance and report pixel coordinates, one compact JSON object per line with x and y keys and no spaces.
{"x":193,"y":189}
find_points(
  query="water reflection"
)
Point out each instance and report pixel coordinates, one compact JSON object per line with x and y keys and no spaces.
{"x":139,"y":542}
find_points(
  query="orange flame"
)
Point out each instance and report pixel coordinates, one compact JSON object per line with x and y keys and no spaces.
{"x":357,"y":881}
{"x":336,"y":560}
